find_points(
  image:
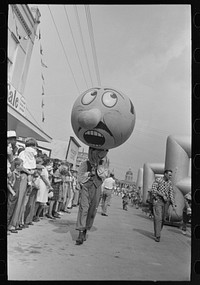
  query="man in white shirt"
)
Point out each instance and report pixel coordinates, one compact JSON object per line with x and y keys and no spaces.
{"x":108,"y":186}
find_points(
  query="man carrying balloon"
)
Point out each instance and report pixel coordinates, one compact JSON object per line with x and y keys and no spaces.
{"x":102,"y":118}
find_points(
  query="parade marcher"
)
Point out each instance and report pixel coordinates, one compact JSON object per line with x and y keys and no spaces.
{"x":162,"y":193}
{"x":187,"y":211}
{"x":108,"y":186}
{"x":90,"y":176}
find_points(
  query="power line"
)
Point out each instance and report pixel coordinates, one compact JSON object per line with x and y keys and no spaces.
{"x":91,"y":34}
{"x":64,"y":50}
{"x":75,"y":46}
{"x":79,"y":25}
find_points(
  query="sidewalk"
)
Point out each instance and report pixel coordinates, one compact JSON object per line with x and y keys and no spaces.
{"x":119,"y":247}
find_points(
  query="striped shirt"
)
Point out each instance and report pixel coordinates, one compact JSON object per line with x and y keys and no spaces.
{"x":164,"y":187}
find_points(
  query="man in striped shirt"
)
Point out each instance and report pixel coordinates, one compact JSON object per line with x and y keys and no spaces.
{"x":163,"y":196}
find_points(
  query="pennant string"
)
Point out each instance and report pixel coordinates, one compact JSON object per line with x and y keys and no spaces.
{"x":42,"y":76}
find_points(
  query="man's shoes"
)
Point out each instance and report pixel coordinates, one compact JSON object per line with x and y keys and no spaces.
{"x":103,"y":214}
{"x":183,"y":232}
{"x":157,"y":239}
{"x":80,"y":238}
{"x":30,"y":224}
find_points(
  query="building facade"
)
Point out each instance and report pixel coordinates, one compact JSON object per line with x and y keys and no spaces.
{"x":22,"y":27}
{"x":129,"y":176}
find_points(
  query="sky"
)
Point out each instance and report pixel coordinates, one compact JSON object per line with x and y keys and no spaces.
{"x":142,"y":50}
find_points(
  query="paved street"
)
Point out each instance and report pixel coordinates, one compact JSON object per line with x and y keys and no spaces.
{"x":119,"y":247}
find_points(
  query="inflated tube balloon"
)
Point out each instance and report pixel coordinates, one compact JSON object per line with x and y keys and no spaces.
{"x":103,"y":118}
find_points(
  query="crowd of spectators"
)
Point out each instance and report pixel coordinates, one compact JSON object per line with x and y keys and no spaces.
{"x":37,"y":185}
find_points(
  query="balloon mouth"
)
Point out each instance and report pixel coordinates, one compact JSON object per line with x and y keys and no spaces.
{"x":94,"y":138}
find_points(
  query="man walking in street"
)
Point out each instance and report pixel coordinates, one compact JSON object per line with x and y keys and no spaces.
{"x":91,"y":174}
{"x":108,"y":186}
{"x":163,"y":196}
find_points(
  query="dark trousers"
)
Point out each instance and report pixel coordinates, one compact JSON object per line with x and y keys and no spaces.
{"x":88,"y":204}
{"x":30,"y":206}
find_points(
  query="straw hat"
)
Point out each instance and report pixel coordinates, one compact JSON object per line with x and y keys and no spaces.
{"x":11,"y":134}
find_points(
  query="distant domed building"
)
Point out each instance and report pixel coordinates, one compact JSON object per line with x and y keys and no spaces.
{"x":128,"y":181}
{"x":129,"y":176}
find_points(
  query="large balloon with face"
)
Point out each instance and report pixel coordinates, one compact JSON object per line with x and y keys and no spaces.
{"x":103,"y":118}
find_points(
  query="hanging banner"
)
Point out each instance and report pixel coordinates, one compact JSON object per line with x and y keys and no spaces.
{"x":16,"y":100}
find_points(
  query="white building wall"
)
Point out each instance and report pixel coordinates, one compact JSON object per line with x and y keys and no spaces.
{"x":21,"y":35}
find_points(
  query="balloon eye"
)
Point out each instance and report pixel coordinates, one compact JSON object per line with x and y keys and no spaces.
{"x":89,"y":97}
{"x":109,"y":99}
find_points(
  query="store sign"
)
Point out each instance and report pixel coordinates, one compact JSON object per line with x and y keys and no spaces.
{"x":72,"y":152}
{"x":16,"y":100}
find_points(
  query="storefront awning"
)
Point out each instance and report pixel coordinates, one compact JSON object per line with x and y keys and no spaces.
{"x":24,"y":127}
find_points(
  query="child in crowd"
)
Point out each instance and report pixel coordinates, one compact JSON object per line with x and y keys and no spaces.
{"x":56,"y":184}
{"x":60,"y":177}
{"x":13,"y":184}
{"x":42,"y":194}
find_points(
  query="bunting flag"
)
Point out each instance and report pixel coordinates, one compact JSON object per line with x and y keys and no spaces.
{"x":42,"y":105}
{"x":44,"y":65}
{"x":43,"y":117}
{"x":42,"y":90}
{"x":16,"y":27}
{"x":17,"y":32}
{"x":39,"y":37}
{"x":41,"y":51}
{"x":42,"y":77}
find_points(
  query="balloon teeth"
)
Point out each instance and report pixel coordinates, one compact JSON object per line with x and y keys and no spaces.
{"x":93,"y":133}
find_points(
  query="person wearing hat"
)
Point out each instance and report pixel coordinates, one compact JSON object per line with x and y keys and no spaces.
{"x":28,"y":155}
